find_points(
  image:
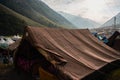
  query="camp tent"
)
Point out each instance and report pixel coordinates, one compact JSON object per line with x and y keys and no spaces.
{"x":12,"y":47}
{"x":114,"y":41}
{"x":66,"y":54}
{"x":116,"y":44}
{"x":4,"y":49}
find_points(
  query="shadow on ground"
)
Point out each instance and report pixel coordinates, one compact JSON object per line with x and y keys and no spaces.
{"x":12,"y":74}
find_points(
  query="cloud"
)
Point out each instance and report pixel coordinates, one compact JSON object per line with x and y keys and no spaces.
{"x":113,"y":3}
{"x":97,"y":10}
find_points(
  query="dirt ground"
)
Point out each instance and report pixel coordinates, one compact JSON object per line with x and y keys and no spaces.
{"x":10,"y":73}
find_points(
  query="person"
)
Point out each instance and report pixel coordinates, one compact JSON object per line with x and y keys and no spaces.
{"x":11,"y":60}
{"x":5,"y":60}
{"x":1,"y":58}
{"x":105,"y":40}
{"x":101,"y":38}
{"x":109,"y":41}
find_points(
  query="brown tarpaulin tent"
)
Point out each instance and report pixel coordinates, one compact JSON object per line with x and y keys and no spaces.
{"x":68,"y":54}
{"x":114,"y":41}
{"x":116,"y":45}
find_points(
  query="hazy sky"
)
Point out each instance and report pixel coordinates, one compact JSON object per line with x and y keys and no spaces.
{"x":97,"y":10}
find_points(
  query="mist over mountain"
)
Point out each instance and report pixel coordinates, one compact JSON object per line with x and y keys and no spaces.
{"x":59,"y":1}
{"x":80,"y":22}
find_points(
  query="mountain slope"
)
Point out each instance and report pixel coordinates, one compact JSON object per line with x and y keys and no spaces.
{"x":80,"y":22}
{"x":12,"y":22}
{"x":115,"y":20}
{"x":37,"y":11}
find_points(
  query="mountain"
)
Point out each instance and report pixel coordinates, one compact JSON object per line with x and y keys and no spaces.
{"x":12,"y":23}
{"x":115,"y":20}
{"x":16,"y":14}
{"x":80,"y":22}
{"x":38,"y":12}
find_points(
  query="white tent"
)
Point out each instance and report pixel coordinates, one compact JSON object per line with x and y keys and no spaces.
{"x":2,"y":41}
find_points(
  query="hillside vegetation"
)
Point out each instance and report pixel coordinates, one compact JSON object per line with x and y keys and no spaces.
{"x":12,"y":22}
{"x":16,"y":14}
{"x":37,"y":11}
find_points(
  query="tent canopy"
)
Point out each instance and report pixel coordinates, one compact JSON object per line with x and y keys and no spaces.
{"x":74,"y":54}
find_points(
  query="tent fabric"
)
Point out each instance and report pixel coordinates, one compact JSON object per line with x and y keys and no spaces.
{"x":75,"y":54}
{"x":43,"y":75}
{"x":114,"y":41}
{"x":116,"y":45}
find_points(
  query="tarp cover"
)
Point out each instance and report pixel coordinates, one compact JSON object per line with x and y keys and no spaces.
{"x":116,"y":45}
{"x":81,"y":53}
